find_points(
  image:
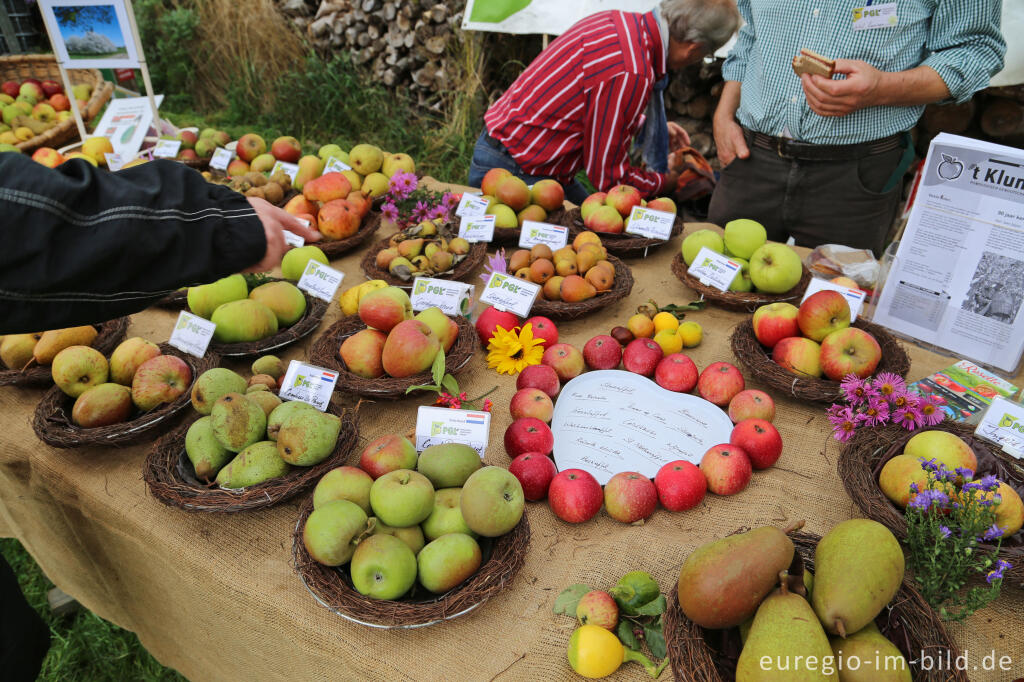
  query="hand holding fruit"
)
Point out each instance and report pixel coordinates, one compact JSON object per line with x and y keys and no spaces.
{"x":275,"y":221}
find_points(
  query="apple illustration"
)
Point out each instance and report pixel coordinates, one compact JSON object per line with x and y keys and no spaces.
{"x":160,"y":380}
{"x":528,"y":435}
{"x":680,"y":485}
{"x":543,"y":328}
{"x":534,"y":471}
{"x":760,"y":440}
{"x":575,"y":496}
{"x":822,"y":313}
{"x":531,"y":402}
{"x":727,"y":469}
{"x":950,"y":168}
{"x":849,"y":351}
{"x":641,"y":356}
{"x":492,"y":318}
{"x":719,"y":383}
{"x":602,"y":352}
{"x":751,"y":404}
{"x":543,"y":377}
{"x":798,"y":355}
{"x":676,"y":372}
{"x":774,"y":322}
{"x":630,"y":497}
{"x":565,"y":359}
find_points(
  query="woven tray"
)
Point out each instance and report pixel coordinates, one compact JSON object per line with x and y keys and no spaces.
{"x":473,"y":260}
{"x":52,"y":419}
{"x":110,"y":334}
{"x":863,"y":456}
{"x":561,"y":310}
{"x":307,"y":324}
{"x":755,"y":359}
{"x":44,"y":67}
{"x":171,"y":479}
{"x":510,"y":235}
{"x":624,"y":245}
{"x":700,"y":655}
{"x":327,"y":346}
{"x":741,"y":301}
{"x":335,"y":248}
{"x":332,"y":586}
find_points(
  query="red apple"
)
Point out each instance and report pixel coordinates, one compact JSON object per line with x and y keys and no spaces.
{"x":849,"y":351}
{"x":680,"y":485}
{"x":543,"y":328}
{"x":676,"y":372}
{"x":623,"y":198}
{"x":727,"y":469}
{"x":774,"y":322}
{"x":11,"y":88}
{"x":751,"y":404}
{"x":599,"y":608}
{"x":491,"y":318}
{"x":160,"y":380}
{"x":249,"y":146}
{"x":386,"y":454}
{"x":822,"y":313}
{"x":565,"y":359}
{"x":534,"y":471}
{"x":630,"y":497}
{"x":719,"y":383}
{"x":602,"y":352}
{"x":798,"y":355}
{"x":286,"y":149}
{"x":489,"y":185}
{"x":528,"y":435}
{"x":641,"y":356}
{"x":51,"y":88}
{"x":760,"y":440}
{"x":531,"y":402}
{"x":591,"y":204}
{"x":575,"y":496}
{"x":539,"y":376}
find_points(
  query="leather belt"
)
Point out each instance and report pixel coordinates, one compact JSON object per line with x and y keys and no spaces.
{"x":792,"y":149}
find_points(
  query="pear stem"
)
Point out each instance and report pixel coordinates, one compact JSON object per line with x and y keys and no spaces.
{"x":840,"y":628}
{"x":784,"y":582}
{"x":795,"y":526}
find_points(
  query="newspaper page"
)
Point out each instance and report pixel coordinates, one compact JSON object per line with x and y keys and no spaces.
{"x":957,"y":280}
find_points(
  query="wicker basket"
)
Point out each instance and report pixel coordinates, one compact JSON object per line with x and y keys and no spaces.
{"x":171,"y":479}
{"x":623,"y":245}
{"x":44,"y":67}
{"x":563,"y":310}
{"x":307,"y":324}
{"x":52,"y":419}
{"x":701,"y":655}
{"x":510,"y":235}
{"x":332,"y":587}
{"x":110,"y":334}
{"x":863,"y":456}
{"x":473,"y":260}
{"x":756,"y":360}
{"x":741,"y":301}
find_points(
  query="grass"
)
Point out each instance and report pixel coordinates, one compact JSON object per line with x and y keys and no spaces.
{"x":83,"y":645}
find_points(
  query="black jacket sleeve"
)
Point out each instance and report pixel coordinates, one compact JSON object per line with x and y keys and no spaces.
{"x":80,"y":245}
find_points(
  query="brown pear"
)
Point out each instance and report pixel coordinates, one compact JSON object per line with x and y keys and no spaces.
{"x":574,"y":289}
{"x":520,"y":259}
{"x":566,"y":267}
{"x":56,"y":340}
{"x":541,"y":270}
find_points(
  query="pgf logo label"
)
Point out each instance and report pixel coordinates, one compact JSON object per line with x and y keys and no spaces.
{"x":439,"y":429}
{"x":421,"y":287}
{"x":302,"y":382}
{"x":1008,"y":421}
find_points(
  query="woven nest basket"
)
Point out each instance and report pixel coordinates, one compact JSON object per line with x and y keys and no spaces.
{"x":740,"y":301}
{"x":177,"y":300}
{"x":326,"y":353}
{"x":863,"y":456}
{"x":307,"y":324}
{"x":52,"y":419}
{"x":332,"y":586}
{"x":756,"y":360}
{"x":701,"y":655}
{"x":335,"y":248}
{"x":473,"y":260}
{"x":172,"y":479}
{"x":564,"y":310}
{"x":623,"y":245}
{"x":110,"y":334}
{"x":510,"y":235}
{"x":44,"y":67}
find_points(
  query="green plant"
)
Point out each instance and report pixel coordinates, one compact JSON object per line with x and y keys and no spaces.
{"x":168,"y":31}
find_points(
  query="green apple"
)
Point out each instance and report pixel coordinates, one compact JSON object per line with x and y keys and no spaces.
{"x":446,"y":516}
{"x":294,"y":262}
{"x":383,"y":567}
{"x":448,"y":465}
{"x":333,"y":530}
{"x":204,"y":299}
{"x":775,"y":268}
{"x":699,"y":239}
{"x":742,"y":280}
{"x":329,"y":150}
{"x":344,"y":483}
{"x":412,"y":536}
{"x":492,"y":501}
{"x":448,"y":561}
{"x":402,"y":498}
{"x":743,"y":237}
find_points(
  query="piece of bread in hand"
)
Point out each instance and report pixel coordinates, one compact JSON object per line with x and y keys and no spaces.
{"x":813,"y":63}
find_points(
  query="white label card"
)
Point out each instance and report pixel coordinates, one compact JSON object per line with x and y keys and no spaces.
{"x":308,"y":383}
{"x":335,"y":165}
{"x":510,"y":294}
{"x":855,"y":297}
{"x":290,"y":169}
{"x":533,"y":233}
{"x":471,"y":206}
{"x":321,"y":281}
{"x":453,"y":298}
{"x":650,"y":223}
{"x":713,"y":269}
{"x":192,"y":334}
{"x":292,"y":239}
{"x":114,"y":161}
{"x":221,"y":158}
{"x":477,"y":228}
{"x":440,"y":425}
{"x":166,"y":149}
{"x":875,"y":16}
{"x":1003,"y":423}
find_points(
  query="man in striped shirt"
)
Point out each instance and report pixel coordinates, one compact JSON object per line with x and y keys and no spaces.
{"x":821,"y":159}
{"x":581,"y":101}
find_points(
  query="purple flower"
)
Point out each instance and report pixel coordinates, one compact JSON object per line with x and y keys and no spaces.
{"x":389,"y":211}
{"x":844,"y":423}
{"x":931,"y":410}
{"x":970,"y":485}
{"x":928,"y":498}
{"x":439,"y":211}
{"x":876,"y":412}
{"x":945,"y":532}
{"x":903,"y":399}
{"x":992,"y":532}
{"x":450,"y":200}
{"x":495,"y":263}
{"x":908,"y":417}
{"x":856,"y":389}
{"x":965,"y":473}
{"x":989,"y":483}
{"x":914,"y":488}
{"x":928,"y":464}
{"x":420,"y":212}
{"x":997,"y":572}
{"x":402,"y":184}
{"x":888,"y":383}
{"x":944,"y":474}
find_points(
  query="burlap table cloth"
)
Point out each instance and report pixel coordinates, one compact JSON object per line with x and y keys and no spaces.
{"x":216,"y":597}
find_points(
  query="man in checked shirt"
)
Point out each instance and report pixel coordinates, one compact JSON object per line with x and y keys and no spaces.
{"x":583,"y":99}
{"x":821,"y":159}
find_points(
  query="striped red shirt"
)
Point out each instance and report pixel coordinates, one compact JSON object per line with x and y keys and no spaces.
{"x":581,"y":101}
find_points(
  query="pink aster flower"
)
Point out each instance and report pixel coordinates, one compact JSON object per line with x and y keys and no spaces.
{"x":875,"y":413}
{"x":451,"y":200}
{"x":857,"y":390}
{"x":931,"y":410}
{"x":439,"y":211}
{"x":844,"y":423}
{"x":909,"y":418}
{"x":389,"y":211}
{"x":420,"y":212}
{"x":402,"y":184}
{"x":903,"y":399}
{"x":888,"y":383}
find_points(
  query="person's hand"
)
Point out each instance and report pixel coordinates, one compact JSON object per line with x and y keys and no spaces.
{"x":677,"y":136}
{"x":275,"y":222}
{"x":729,"y":140}
{"x":860,"y":89}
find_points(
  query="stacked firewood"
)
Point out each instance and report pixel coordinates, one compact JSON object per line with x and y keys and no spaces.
{"x":690,"y":101}
{"x":996,"y":114}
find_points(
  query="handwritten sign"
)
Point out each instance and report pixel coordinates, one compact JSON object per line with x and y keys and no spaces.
{"x":453,"y":298}
{"x":649,"y":223}
{"x":713,"y":269}
{"x":114,"y":161}
{"x":510,"y":294}
{"x":321,"y":281}
{"x":855,"y":297}
{"x":471,"y":206}
{"x":290,"y":169}
{"x":477,"y":229}
{"x":440,"y":425}
{"x":221,"y":158}
{"x":533,"y":233}
{"x":166,"y":149}
{"x":610,"y":421}
{"x":1003,"y":424}
{"x":192,"y":334}
{"x":308,"y":383}
{"x":335,"y":165}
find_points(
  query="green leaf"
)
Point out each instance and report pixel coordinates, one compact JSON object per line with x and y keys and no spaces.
{"x":423,"y":387}
{"x":566,"y":602}
{"x":437,"y":370}
{"x":626,"y":635}
{"x":450,"y":385}
{"x":655,"y":607}
{"x":655,"y":641}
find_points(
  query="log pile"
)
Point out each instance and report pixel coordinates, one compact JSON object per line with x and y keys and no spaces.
{"x":996,"y":114}
{"x":690,"y":101}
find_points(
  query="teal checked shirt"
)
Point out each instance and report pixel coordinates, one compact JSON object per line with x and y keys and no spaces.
{"x":959,"y":39}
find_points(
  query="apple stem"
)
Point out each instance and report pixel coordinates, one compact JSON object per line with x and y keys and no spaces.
{"x":638,"y":657}
{"x":784,"y":582}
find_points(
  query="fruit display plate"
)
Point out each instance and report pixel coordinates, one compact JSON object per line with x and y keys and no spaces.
{"x":332,"y":587}
{"x":169,"y":474}
{"x":470,"y":264}
{"x":624,"y":245}
{"x":110,"y":334}
{"x":563,"y":310}
{"x":510,"y":235}
{"x":740,"y":301}
{"x":326,"y":348}
{"x":307,"y":324}
{"x":863,"y":456}
{"x":756,"y":360}
{"x":701,"y":655}
{"x":52,"y":419}
{"x":336,"y":248}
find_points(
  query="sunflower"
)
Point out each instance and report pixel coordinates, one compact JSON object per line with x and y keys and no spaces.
{"x":511,"y":351}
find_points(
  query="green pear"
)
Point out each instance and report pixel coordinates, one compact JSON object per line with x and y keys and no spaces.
{"x":446,"y":516}
{"x":237,"y":422}
{"x":310,"y":168}
{"x":308,"y":438}
{"x":243,"y":321}
{"x":448,"y":465}
{"x":328,"y":150}
{"x":281,"y":413}
{"x":212,"y":384}
{"x":270,"y":365}
{"x":333,"y":530}
{"x":255,"y":464}
{"x":283,"y":298}
{"x":867,"y":656}
{"x":410,"y":535}
{"x":204,"y":299}
{"x":265,"y":399}
{"x":16,"y":349}
{"x":205,"y":452}
{"x":294,"y":262}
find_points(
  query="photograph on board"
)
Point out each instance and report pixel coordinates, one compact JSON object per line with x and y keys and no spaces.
{"x":90,"y":33}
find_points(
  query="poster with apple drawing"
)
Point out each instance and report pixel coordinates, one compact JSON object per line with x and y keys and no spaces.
{"x":91,"y":34}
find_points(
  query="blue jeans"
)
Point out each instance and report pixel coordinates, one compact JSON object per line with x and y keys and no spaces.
{"x":488,"y":153}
